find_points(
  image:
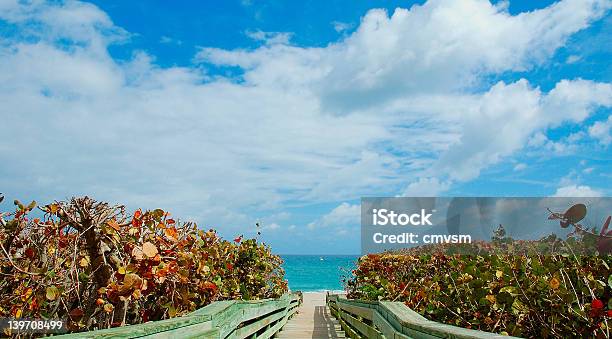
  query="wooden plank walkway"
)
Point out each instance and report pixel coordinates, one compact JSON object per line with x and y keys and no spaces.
{"x":313,"y":320}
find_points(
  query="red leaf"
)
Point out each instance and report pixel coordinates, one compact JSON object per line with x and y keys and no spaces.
{"x":597,"y":304}
{"x":76,"y":314}
{"x":210,"y":286}
{"x":239,"y":239}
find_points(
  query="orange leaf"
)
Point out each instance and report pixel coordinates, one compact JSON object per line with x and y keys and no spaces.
{"x":171,"y":233}
{"x":170,"y":221}
{"x":113,"y":223}
{"x":554,"y":283}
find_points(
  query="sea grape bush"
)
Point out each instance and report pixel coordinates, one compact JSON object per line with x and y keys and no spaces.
{"x":503,"y":286}
{"x":96,"y":266}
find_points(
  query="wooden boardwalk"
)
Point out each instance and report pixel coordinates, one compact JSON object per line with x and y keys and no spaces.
{"x":313,"y":320}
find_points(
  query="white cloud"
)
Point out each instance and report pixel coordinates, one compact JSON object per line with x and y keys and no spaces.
{"x":572,"y":59}
{"x":601,"y":131}
{"x":401,"y":97}
{"x":341,"y":26}
{"x":426,"y":187}
{"x":520,"y":167}
{"x":509,"y":116}
{"x":344,"y":214}
{"x":540,"y":142}
{"x":272,"y":227}
{"x":270,"y":38}
{"x":577,"y":191}
{"x":168,"y":40}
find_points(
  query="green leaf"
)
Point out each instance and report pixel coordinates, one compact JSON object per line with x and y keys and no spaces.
{"x":513,"y":291}
{"x":52,"y":293}
{"x":518,"y":307}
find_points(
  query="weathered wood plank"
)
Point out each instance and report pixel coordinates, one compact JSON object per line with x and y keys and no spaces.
{"x":217,"y":320}
{"x":246,"y":331}
{"x":363,"y":329}
{"x":348,"y":329}
{"x":363,"y":312}
{"x":409,"y":319}
{"x":146,"y":329}
{"x":395,"y":320}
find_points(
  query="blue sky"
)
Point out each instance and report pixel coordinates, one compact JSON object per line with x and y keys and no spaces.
{"x":288,"y":112}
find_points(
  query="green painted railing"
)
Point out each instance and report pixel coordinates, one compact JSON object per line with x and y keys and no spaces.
{"x":221,"y":319}
{"x":386,"y":319}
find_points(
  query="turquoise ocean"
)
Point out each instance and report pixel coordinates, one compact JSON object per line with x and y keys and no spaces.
{"x":308,"y":273}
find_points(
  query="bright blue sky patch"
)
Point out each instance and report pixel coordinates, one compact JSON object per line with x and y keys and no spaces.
{"x":288,"y":112}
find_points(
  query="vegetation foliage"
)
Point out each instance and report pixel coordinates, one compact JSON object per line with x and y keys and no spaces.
{"x":96,"y":266}
{"x":502,"y":286}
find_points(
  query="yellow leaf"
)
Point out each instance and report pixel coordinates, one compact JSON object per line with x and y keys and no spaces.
{"x":171,"y":311}
{"x":19,"y":313}
{"x":132,"y":280}
{"x":491,"y":298}
{"x":121,"y":270}
{"x":26,"y":295}
{"x":84,"y":261}
{"x":149,"y":249}
{"x":53,"y":208}
{"x":499,"y":273}
{"x":108,"y":308}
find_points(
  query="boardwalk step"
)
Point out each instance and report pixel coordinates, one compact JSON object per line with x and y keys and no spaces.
{"x":313,"y":320}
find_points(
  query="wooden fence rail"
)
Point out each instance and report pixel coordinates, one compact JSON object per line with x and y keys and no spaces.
{"x":219,"y":320}
{"x":386,"y":319}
